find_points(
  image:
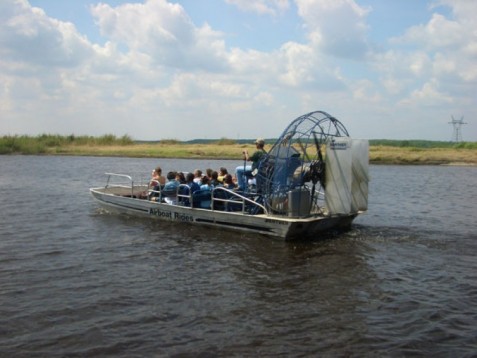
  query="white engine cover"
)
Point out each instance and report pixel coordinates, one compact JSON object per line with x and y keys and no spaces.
{"x":347,"y":177}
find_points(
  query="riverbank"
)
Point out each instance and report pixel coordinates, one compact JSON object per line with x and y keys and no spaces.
{"x":377,"y":154}
{"x":422,"y":156}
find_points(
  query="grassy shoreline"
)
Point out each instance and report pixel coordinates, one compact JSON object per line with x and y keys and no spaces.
{"x":429,"y":153}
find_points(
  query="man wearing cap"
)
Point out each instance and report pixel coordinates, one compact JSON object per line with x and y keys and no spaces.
{"x":245,"y":171}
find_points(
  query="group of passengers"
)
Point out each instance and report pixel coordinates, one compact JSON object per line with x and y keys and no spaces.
{"x":197,"y":180}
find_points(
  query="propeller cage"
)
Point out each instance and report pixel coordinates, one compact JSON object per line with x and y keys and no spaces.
{"x":291,"y":176}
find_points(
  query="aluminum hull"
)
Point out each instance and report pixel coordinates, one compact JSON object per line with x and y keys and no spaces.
{"x":122,"y":200}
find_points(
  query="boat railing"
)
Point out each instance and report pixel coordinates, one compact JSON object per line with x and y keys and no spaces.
{"x":184,"y":196}
{"x":159,"y":193}
{"x":234,"y":199}
{"x":154,"y":189}
{"x":114,"y":175}
{"x":221,"y":199}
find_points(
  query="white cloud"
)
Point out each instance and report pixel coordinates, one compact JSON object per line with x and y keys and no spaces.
{"x":365,"y":91}
{"x":262,"y":7}
{"x":449,"y":44}
{"x":165,"y":32}
{"x":187,"y":89}
{"x":28,"y":35}
{"x":428,"y":95}
{"x":336,"y":27}
{"x":297,"y":60}
{"x":158,"y":70}
{"x":464,"y":10}
{"x":302,"y":67}
{"x":434,"y":65}
{"x":159,"y":75}
{"x":438,"y":33}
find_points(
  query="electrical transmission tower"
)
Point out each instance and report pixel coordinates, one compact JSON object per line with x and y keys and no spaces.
{"x":457,"y":124}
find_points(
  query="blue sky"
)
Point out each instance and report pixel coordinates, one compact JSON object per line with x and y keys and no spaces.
{"x":157,"y":69}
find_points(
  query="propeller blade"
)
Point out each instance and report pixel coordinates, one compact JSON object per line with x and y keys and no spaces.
{"x":303,"y":149}
{"x":317,"y":144}
{"x":312,"y":195}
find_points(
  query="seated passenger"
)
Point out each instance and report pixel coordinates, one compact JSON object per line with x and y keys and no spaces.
{"x":157,"y":178}
{"x":202,"y":199}
{"x":155,"y":184}
{"x":198,"y":176}
{"x":193,"y":186}
{"x":229,"y":182}
{"x":214,"y":182}
{"x":222,"y":173}
{"x":170,"y":189}
{"x":205,"y":184}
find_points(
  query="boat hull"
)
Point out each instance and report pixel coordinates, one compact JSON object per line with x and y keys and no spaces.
{"x":125,"y":201}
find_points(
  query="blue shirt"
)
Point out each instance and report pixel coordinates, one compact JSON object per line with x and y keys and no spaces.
{"x":205,"y":187}
{"x":193,"y":186}
{"x":171,"y":185}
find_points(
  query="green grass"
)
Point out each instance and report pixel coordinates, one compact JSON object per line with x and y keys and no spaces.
{"x":427,"y":144}
{"x":45,"y":143}
{"x":381,"y":151}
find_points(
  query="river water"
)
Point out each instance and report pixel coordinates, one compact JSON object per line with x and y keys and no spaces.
{"x":76,"y":281}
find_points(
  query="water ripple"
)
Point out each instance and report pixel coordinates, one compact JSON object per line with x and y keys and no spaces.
{"x":77,"y":281}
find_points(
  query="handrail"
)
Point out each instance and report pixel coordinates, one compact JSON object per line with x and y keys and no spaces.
{"x":236,"y":195}
{"x":172,"y":193}
{"x":121,"y":176}
{"x":151,"y":191}
{"x":232,"y":195}
{"x":185,"y":196}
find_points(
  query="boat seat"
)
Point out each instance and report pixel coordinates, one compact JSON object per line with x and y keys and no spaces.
{"x":183,"y":195}
{"x":235,"y":204}
{"x":220,"y":194}
{"x":202,"y":199}
{"x":154,"y":192}
{"x":169,"y":195}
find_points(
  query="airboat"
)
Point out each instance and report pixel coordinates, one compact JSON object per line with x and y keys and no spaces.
{"x":313,"y":179}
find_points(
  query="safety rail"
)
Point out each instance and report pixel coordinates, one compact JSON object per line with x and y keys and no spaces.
{"x":184,"y":197}
{"x":235,"y":198}
{"x":221,"y":199}
{"x":120,"y":185}
{"x":152,"y":192}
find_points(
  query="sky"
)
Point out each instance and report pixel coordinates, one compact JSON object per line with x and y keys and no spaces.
{"x":190,"y":69}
